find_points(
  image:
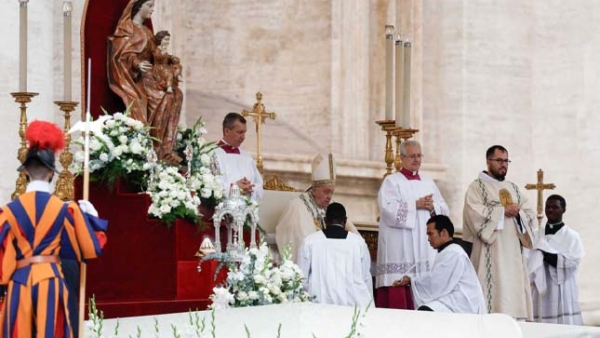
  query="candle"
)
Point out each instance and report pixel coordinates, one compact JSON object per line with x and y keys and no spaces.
{"x":67,"y":9}
{"x":389,"y":71}
{"x":406,"y":83}
{"x":23,"y":45}
{"x":399,"y":81}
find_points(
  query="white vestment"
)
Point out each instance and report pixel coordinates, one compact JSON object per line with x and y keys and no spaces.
{"x":301,"y":218}
{"x":554,"y":289}
{"x":337,"y":271}
{"x":451,"y":285}
{"x":234,"y":167}
{"x":403,"y":248}
{"x":497,"y":253}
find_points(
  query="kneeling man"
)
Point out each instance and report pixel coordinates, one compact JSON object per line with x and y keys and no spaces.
{"x":452,"y":284}
{"x":336,"y":263}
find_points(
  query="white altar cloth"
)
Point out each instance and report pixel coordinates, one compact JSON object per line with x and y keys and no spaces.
{"x":322,"y":321}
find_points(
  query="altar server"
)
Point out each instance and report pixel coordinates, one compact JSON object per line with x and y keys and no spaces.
{"x":451,"y":285}
{"x":237,"y":166}
{"x":553,"y":268}
{"x":336,"y":263}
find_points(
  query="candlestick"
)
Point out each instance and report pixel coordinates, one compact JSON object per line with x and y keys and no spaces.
{"x":407,"y":86}
{"x":67,"y":9}
{"x":399,"y":81}
{"x":389,"y":71}
{"x":23,"y":46}
{"x":22,"y":99}
{"x":64,"y":185}
{"x":388,"y":127}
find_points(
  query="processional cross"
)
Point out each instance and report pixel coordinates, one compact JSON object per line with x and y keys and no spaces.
{"x":259,"y":115}
{"x":540,"y":186}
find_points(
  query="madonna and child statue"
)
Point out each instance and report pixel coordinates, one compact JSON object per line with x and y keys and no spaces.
{"x":146,"y":77}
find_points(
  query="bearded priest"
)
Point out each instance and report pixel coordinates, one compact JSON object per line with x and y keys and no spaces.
{"x":500,"y":223}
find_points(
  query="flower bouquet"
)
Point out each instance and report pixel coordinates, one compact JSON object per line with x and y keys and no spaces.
{"x":255,"y":281}
{"x":118,"y":148}
{"x":171,"y":196}
{"x":203,"y":173}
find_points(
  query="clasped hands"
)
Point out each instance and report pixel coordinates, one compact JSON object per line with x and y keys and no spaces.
{"x":246,"y":187}
{"x":404,"y":281}
{"x":425,"y":202}
{"x":511,"y":210}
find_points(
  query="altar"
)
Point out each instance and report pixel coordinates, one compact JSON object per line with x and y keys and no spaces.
{"x":327,"y":321}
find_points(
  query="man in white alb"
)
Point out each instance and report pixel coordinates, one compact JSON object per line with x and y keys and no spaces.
{"x":305,"y":214}
{"x":451,"y":285}
{"x":336,"y":263}
{"x":237,"y":166}
{"x":553,"y":268}
{"x":406,"y":201}
{"x":500,"y":223}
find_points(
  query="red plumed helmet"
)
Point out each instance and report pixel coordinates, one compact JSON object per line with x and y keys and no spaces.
{"x":46,"y":135}
{"x":44,"y":139}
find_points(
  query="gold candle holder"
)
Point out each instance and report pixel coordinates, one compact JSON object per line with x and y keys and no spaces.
{"x":64,"y":185}
{"x":401,"y":134}
{"x":22,"y":98}
{"x":388,"y":126}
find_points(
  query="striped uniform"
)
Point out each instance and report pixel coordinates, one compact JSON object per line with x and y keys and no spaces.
{"x":40,"y":224}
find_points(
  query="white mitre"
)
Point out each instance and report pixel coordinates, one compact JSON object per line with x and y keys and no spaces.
{"x":323,"y":170}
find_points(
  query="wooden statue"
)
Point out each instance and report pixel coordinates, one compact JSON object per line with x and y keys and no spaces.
{"x":145,"y":76}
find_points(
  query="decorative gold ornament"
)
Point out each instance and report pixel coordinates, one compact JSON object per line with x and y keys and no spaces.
{"x":275,"y":183}
{"x":22,"y":98}
{"x":206,"y":247}
{"x":64,"y":185}
{"x":259,"y":114}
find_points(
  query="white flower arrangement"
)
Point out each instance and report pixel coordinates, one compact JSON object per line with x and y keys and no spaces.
{"x":118,"y":146}
{"x":171,"y":196}
{"x":203,"y":175}
{"x":118,"y":141}
{"x":255,"y":281}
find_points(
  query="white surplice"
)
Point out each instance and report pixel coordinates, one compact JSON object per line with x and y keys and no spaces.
{"x":337,"y":271}
{"x":403,"y":248}
{"x":300,"y":218}
{"x":497,"y":253}
{"x":234,"y":167}
{"x":554,"y":289}
{"x":451,"y":285}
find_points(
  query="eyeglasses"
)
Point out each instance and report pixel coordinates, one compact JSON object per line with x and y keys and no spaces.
{"x":414,"y":157}
{"x":500,"y":160}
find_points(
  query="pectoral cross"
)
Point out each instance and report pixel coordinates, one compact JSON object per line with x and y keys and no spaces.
{"x":259,"y":115}
{"x":540,"y":186}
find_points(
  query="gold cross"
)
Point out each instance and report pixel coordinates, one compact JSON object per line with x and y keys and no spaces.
{"x":259,"y":115}
{"x":540,"y":186}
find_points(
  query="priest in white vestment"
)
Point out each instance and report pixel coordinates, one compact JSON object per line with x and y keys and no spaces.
{"x":305,"y":215}
{"x":500,"y":223}
{"x":553,"y":268}
{"x":336,"y":263}
{"x":237,"y":166}
{"x":452,"y":284}
{"x":406,"y":202}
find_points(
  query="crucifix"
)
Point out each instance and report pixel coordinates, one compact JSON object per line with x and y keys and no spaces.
{"x":259,"y":115}
{"x":540,"y":186}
